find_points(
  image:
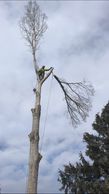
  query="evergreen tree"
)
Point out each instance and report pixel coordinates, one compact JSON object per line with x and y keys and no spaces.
{"x":90,"y":177}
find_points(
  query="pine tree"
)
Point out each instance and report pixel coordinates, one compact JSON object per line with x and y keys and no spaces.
{"x":90,"y":177}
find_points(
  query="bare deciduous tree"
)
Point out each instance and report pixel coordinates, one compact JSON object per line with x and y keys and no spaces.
{"x":33,"y":25}
{"x":78,"y":99}
{"x":77,"y":95}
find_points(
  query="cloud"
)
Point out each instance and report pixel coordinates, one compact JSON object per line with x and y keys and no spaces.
{"x":3,"y":145}
{"x":76,"y":45}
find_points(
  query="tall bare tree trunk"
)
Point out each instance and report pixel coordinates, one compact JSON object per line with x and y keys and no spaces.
{"x":35,"y":156}
{"x":33,"y":25}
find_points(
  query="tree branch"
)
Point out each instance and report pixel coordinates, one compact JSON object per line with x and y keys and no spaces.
{"x":78,"y":99}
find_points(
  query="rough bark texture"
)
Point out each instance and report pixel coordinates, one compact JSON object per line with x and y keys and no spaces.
{"x":33,"y":25}
{"x":34,"y":156}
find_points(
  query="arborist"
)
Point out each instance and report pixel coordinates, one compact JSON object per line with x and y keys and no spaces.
{"x":41,"y":72}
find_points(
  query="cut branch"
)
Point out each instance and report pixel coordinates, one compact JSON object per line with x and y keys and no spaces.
{"x":78,"y":99}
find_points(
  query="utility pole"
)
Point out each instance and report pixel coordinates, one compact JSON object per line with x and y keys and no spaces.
{"x":77,"y":94}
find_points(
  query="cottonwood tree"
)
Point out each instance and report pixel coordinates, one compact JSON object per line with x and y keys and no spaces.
{"x":33,"y":25}
{"x":77,"y":95}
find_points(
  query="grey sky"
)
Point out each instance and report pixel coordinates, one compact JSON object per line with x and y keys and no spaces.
{"x":76,"y":44}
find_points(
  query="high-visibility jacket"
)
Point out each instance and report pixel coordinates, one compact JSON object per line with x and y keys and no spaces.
{"x":42,"y":70}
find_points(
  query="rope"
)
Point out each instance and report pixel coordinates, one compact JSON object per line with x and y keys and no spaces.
{"x":46,"y":117}
{"x":26,"y":178}
{"x":26,"y":181}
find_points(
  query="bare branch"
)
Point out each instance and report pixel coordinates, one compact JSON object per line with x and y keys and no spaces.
{"x":78,"y":99}
{"x":33,"y":25}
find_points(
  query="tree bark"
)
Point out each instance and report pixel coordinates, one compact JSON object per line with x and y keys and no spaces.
{"x":34,"y":156}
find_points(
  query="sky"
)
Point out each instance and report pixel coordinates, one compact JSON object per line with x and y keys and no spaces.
{"x":76,"y":44}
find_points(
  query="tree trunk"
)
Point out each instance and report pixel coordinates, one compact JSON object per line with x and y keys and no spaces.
{"x":34,"y":156}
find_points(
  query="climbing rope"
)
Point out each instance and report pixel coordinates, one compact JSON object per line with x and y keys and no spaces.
{"x":46,"y":117}
{"x":26,"y":177}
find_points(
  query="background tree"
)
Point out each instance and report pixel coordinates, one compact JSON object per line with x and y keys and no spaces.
{"x":77,"y":95}
{"x":90,"y":177}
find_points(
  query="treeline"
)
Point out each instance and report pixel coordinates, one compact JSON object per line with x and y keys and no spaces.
{"x":90,"y":177}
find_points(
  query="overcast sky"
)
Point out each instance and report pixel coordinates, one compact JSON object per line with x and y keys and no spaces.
{"x":76,"y":44}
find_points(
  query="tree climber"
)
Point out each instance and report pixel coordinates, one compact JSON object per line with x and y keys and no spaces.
{"x":41,"y":72}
